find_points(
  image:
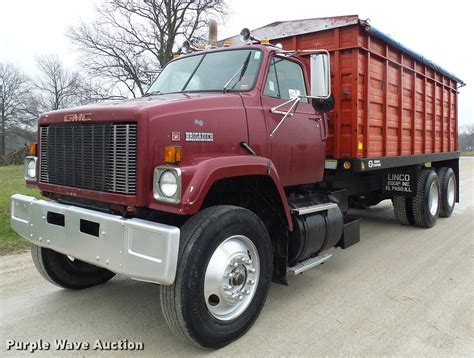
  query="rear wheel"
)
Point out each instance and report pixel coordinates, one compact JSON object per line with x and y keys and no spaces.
{"x":224,"y":273}
{"x":67,"y":272}
{"x":447,"y":182}
{"x":426,"y":203}
{"x":402,"y":206}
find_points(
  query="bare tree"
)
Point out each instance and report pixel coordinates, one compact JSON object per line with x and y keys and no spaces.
{"x":124,"y":64}
{"x":131,"y":38}
{"x":57,"y":87}
{"x":466,"y":138}
{"x":15,"y":94}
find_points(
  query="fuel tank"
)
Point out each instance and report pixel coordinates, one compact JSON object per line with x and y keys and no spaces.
{"x":315,"y":231}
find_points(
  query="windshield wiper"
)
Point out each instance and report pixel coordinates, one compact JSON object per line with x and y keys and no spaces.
{"x":148,"y":94}
{"x":242,"y":69}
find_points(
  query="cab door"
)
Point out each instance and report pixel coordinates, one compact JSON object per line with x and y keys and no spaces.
{"x":297,"y":148}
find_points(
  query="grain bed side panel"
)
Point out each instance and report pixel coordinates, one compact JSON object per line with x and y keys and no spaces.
{"x":394,"y":100}
{"x":376,"y":107}
{"x":387,"y":103}
{"x":342,"y":44}
{"x":361,"y":105}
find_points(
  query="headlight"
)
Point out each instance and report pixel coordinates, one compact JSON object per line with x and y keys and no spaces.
{"x":167,"y":184}
{"x":30,"y":168}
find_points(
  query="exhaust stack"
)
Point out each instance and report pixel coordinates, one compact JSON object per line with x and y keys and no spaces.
{"x":213,"y":33}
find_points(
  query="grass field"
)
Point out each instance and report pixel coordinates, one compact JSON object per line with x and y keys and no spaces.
{"x":11,"y":182}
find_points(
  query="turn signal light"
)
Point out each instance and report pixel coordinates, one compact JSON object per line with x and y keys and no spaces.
{"x":173,"y":154}
{"x":227,"y":43}
{"x":265,"y":41}
{"x":32,"y":149}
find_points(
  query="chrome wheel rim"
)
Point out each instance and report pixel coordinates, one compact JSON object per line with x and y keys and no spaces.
{"x":433,"y":198}
{"x":451,"y":191}
{"x":231,"y":278}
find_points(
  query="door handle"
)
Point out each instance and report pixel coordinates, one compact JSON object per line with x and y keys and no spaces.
{"x":316,"y":119}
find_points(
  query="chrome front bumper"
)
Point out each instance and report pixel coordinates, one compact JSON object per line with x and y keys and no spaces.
{"x":140,"y":249}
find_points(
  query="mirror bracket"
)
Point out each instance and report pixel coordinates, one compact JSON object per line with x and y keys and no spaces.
{"x":289,"y":113}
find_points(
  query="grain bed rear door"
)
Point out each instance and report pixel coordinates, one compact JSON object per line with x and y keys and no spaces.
{"x":297,"y":148}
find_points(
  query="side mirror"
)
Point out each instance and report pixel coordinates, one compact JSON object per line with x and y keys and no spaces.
{"x":320,"y":75}
{"x":324,"y":105}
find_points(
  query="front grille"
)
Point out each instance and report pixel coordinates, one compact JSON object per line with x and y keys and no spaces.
{"x":97,"y":156}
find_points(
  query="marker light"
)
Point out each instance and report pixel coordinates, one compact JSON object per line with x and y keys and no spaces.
{"x":347,"y":165}
{"x":227,"y":43}
{"x":32,"y":149}
{"x":173,"y":154}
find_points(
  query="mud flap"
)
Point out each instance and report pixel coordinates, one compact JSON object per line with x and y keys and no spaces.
{"x":351,"y":234}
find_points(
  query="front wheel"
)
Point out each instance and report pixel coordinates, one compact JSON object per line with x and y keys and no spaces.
{"x":224,"y":273}
{"x":67,"y":272}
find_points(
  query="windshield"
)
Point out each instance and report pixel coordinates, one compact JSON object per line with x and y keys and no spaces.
{"x":234,"y":70}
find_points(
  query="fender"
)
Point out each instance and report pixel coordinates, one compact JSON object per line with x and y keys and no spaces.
{"x":198,"y":178}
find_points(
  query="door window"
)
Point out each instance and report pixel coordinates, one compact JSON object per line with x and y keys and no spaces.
{"x":285,"y":80}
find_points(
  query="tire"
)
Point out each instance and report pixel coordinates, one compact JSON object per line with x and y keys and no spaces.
{"x":194,"y":306}
{"x":426,"y":202}
{"x":447,"y":182}
{"x":403,"y":209}
{"x":61,"y":271}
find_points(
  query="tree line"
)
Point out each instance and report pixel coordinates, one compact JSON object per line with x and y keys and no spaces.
{"x":466,"y":138}
{"x":121,"y":50}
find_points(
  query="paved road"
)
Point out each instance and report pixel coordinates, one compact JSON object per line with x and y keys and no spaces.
{"x":401,"y":291}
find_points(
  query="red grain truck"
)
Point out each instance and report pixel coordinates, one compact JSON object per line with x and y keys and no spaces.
{"x":239,"y":166}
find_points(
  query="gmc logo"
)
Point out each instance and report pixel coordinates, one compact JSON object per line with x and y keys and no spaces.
{"x":78,"y":117}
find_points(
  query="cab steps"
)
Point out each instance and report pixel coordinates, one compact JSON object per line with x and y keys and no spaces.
{"x":309,"y":263}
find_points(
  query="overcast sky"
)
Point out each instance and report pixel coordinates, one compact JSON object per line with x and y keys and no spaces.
{"x":439,"y":30}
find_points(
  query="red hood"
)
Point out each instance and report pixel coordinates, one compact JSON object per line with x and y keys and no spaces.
{"x":129,"y":109}
{"x":164,"y":120}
